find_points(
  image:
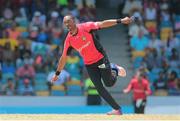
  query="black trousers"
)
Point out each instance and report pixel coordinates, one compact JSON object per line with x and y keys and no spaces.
{"x":139,"y":109}
{"x":93,"y":100}
{"x":97,"y":73}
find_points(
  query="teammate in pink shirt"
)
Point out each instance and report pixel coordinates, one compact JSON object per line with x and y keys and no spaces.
{"x":80,"y":38}
{"x":140,"y":87}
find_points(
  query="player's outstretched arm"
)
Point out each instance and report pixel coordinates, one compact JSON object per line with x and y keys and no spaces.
{"x":112,"y":22}
{"x":61,"y":64}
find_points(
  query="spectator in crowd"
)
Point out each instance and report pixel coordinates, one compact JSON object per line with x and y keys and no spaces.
{"x":70,"y":9}
{"x":135,"y":28}
{"x":131,"y":6}
{"x":62,"y":80}
{"x":173,"y":88}
{"x":150,"y":11}
{"x":9,"y":88}
{"x":165,"y":13}
{"x":144,"y":70}
{"x":38,"y":20}
{"x":87,"y":13}
{"x":39,"y":63}
{"x":7,"y":17}
{"x":13,"y":33}
{"x":27,"y":89}
{"x":155,"y":43}
{"x":55,"y":28}
{"x":153,"y":60}
{"x":93,"y":97}
{"x":174,"y":59}
{"x":23,"y":47}
{"x":42,"y":36}
{"x":172,"y":42}
{"x":21,"y":18}
{"x":161,"y":82}
{"x":64,"y":77}
{"x":140,"y":42}
{"x":26,"y":71}
{"x":33,"y":33}
{"x":28,"y":58}
{"x":141,"y":89}
{"x":8,"y":54}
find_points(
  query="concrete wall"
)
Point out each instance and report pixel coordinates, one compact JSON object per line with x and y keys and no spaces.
{"x":52,"y":105}
{"x":74,"y":104}
{"x":43,"y":101}
{"x":163,"y":105}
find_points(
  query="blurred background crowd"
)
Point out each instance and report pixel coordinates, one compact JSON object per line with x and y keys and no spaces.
{"x":31,"y":42}
{"x":154,"y":41}
{"x":32,"y":35}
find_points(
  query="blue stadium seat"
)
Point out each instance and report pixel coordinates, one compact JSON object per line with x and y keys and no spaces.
{"x":41,"y":87}
{"x":57,"y":93}
{"x":41,"y":76}
{"x":74,"y":90}
{"x":40,"y":79}
{"x":5,"y":76}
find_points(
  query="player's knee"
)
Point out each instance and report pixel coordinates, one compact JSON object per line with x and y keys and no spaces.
{"x":110,"y":82}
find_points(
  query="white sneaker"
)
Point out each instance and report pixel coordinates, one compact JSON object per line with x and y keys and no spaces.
{"x":120,"y":70}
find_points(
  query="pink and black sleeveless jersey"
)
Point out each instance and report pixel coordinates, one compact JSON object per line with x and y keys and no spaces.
{"x":84,"y":43}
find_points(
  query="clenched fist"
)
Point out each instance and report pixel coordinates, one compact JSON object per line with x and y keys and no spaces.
{"x":126,"y":20}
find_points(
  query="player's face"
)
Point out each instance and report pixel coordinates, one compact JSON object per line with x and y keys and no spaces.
{"x":70,"y":24}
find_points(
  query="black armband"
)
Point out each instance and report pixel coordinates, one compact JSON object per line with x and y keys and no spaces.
{"x":57,"y":73}
{"x":118,"y":21}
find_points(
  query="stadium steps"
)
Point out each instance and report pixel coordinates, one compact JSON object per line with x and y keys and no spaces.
{"x":114,"y":42}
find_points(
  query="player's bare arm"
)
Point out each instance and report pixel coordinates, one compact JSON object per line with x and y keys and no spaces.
{"x":112,"y":22}
{"x":61,"y":64}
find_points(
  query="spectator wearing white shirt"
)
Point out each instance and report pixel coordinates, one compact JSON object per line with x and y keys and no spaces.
{"x":131,"y":5}
{"x":135,"y":28}
{"x":38,"y":20}
{"x":63,"y":77}
{"x":150,"y":12}
{"x":172,"y":42}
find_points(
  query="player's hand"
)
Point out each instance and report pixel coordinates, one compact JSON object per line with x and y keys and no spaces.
{"x":122,"y":72}
{"x":125,"y":91}
{"x":55,"y":78}
{"x":126,"y":20}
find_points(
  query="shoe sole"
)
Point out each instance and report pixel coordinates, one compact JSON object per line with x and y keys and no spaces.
{"x":120,"y":69}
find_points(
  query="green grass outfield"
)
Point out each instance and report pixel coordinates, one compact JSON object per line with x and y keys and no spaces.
{"x":84,"y":117}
